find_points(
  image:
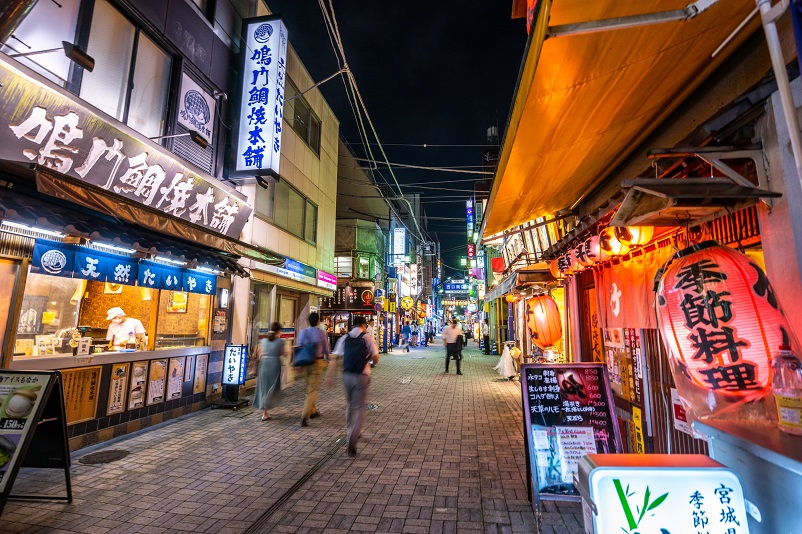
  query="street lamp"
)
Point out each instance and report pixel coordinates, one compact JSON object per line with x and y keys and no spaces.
{"x":72,"y":51}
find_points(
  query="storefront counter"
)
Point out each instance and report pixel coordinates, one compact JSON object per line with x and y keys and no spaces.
{"x":769,"y":463}
{"x":47,"y":363}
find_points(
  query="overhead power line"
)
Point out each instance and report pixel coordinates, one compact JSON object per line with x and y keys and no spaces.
{"x":423,"y":167}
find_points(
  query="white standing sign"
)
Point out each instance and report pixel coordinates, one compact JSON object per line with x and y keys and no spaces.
{"x":262,"y":97}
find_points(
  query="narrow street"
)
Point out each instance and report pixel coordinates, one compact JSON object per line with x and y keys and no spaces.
{"x":439,"y":453}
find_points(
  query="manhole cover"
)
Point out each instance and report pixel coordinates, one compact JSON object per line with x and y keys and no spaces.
{"x":371,"y":406}
{"x":103,"y":457}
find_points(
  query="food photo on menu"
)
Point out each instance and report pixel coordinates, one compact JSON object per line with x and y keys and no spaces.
{"x":16,"y":404}
{"x":8,"y":444}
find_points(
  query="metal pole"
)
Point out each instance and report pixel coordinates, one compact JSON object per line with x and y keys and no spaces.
{"x":783,"y":85}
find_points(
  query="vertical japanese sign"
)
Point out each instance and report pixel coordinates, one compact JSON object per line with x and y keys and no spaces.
{"x":80,"y":393}
{"x":264,"y":65}
{"x":234,"y":365}
{"x":20,"y":397}
{"x":117,"y":387}
{"x":568,"y":412}
{"x":175,"y":378}
{"x":399,"y":246}
{"x":469,"y":217}
{"x":139,"y":377}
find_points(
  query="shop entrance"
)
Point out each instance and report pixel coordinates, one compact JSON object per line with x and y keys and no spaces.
{"x":287,"y":315}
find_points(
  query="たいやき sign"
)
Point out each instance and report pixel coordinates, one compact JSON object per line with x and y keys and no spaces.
{"x":235,"y":364}
{"x":258,"y":148}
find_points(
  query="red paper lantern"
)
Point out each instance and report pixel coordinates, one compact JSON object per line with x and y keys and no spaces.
{"x":543,"y":320}
{"x":634,"y":235}
{"x":564,"y":264}
{"x":554,"y":269}
{"x":721,"y":320}
{"x":592,"y":250}
{"x":610,"y":245}
{"x":575,"y":256}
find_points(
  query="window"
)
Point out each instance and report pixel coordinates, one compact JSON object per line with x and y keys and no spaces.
{"x":363,"y":267}
{"x":343,"y":266}
{"x":131,"y":78}
{"x":44,"y":28}
{"x":303,"y":120}
{"x":288,"y":209}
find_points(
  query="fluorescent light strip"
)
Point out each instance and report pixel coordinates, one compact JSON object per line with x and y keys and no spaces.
{"x":32,"y":229}
{"x":114,"y":248}
{"x":169,"y":260}
{"x":207,"y":270}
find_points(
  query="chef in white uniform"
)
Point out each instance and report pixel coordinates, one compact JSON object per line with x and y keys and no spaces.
{"x":122,"y":328}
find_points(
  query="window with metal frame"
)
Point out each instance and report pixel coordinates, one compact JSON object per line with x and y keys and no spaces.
{"x":285,"y":207}
{"x":299,"y":114}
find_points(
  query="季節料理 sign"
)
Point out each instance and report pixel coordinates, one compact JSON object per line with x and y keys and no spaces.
{"x":264,"y":65}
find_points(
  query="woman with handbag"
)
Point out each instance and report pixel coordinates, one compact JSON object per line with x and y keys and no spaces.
{"x":268,"y":382}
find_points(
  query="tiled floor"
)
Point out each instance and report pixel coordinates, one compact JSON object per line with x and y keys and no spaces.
{"x":440,"y":453}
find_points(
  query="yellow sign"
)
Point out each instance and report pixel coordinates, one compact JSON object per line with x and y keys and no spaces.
{"x":80,"y":393}
{"x":637,"y":420}
{"x":407,"y":303}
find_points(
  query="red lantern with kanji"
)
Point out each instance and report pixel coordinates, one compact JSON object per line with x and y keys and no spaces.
{"x":592,"y":250}
{"x":543,"y":320}
{"x":554,"y":269}
{"x":722,"y":322}
{"x":634,"y":235}
{"x":576,"y":256}
{"x":564,"y":264}
{"x":610,"y":245}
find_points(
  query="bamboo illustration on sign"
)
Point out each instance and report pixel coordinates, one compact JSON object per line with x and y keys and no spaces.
{"x":640,"y":510}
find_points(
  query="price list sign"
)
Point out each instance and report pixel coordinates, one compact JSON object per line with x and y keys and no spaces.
{"x":568,"y":412}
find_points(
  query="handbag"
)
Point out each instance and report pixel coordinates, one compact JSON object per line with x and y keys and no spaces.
{"x":304,"y":355}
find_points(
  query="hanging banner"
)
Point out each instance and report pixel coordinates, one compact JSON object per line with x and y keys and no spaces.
{"x":199,"y":282}
{"x":53,"y":258}
{"x":261,"y":107}
{"x":196,"y":108}
{"x":626,"y":291}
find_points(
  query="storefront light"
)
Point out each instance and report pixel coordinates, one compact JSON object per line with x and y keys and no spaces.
{"x":34,"y":229}
{"x":114,"y":248}
{"x":165,"y":259}
{"x":208,"y":270}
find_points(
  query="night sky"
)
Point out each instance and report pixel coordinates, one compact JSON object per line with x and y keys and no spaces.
{"x":430,"y":72}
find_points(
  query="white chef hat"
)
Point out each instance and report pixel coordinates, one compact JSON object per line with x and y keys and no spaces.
{"x":114,"y":312}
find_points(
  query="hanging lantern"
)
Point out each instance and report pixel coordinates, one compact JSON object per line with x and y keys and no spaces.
{"x":510,"y":298}
{"x":721,"y":320}
{"x":543,"y":320}
{"x":564,"y":264}
{"x":554,"y":269}
{"x":575,"y":257}
{"x":634,"y":235}
{"x":592,"y":250}
{"x":610,"y":245}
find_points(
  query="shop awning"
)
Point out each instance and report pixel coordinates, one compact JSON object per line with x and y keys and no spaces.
{"x":521,"y":277}
{"x":583,"y":102}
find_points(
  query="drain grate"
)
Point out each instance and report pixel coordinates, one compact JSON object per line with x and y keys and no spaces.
{"x":406,"y":379}
{"x":103,"y":457}
{"x":371,"y":406}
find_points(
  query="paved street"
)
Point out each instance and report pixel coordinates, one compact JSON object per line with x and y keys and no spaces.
{"x":440,"y":453}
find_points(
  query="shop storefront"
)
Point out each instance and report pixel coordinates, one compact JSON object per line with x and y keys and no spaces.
{"x":100,"y":225}
{"x":338,"y":312}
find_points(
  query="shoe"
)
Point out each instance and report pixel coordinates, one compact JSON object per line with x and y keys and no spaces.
{"x":315,"y":415}
{"x":304,"y":423}
{"x":265,"y":417}
{"x":459,"y":372}
{"x":351,"y":452}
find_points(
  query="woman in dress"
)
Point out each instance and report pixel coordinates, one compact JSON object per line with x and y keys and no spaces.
{"x":268,"y":383}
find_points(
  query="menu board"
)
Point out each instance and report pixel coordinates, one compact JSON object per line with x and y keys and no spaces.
{"x":156,"y":377}
{"x":199,"y":385}
{"x":80,"y":393}
{"x":568,"y":412}
{"x":117,"y":387}
{"x":139,"y":377}
{"x":175,"y":378}
{"x":188,"y":366}
{"x":20,"y":397}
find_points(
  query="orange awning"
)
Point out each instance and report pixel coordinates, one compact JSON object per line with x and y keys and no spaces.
{"x":583,"y":102}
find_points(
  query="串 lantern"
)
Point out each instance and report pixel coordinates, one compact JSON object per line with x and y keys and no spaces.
{"x":575,"y":257}
{"x":610,"y":245}
{"x":564,"y":264}
{"x":721,"y":320}
{"x":634,"y":235}
{"x":554,"y":269}
{"x":592,"y":250}
{"x":543,"y":320}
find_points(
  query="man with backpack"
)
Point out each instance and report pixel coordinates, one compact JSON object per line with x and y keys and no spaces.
{"x":319,"y":341}
{"x":358,"y":351}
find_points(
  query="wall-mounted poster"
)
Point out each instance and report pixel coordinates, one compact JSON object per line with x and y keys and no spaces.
{"x":188,"y":366}
{"x":80,"y":393}
{"x":139,"y":378}
{"x":175,"y":378}
{"x":156,"y":377}
{"x":117,"y":388}
{"x":199,"y":386}
{"x":177,"y":302}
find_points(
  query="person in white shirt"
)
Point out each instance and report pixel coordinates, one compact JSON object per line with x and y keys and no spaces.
{"x":486,"y":336}
{"x":452,"y":339}
{"x":123,"y":328}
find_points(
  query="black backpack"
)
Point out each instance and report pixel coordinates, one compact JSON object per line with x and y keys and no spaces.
{"x":355,"y":354}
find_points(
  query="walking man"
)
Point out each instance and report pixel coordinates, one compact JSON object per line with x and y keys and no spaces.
{"x":452,"y":339}
{"x":486,"y":336}
{"x":406,"y":333}
{"x":358,"y":350}
{"x":314,"y":335}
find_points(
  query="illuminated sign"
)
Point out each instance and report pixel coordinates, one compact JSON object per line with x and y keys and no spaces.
{"x":264,"y":64}
{"x":235,"y":363}
{"x":326,"y":280}
{"x":457,"y":288}
{"x":399,"y":246}
{"x":292,"y":269}
{"x":196,"y":108}
{"x":471,"y":250}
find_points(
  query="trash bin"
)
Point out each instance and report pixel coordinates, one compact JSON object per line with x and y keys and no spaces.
{"x":659,"y":494}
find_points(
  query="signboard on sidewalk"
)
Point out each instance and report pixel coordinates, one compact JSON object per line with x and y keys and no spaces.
{"x":568,"y":412}
{"x":33,"y":427}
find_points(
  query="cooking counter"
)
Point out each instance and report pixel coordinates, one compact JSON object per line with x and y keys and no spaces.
{"x":47,"y":363}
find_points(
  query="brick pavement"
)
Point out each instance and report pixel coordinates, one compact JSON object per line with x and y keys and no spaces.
{"x":441,"y":453}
